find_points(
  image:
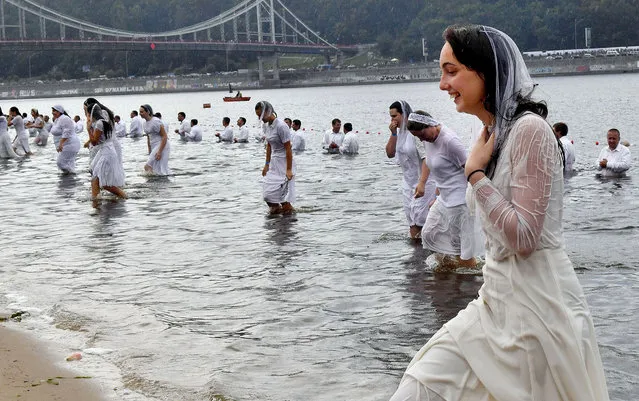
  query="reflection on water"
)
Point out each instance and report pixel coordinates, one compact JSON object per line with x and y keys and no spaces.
{"x":188,"y":289}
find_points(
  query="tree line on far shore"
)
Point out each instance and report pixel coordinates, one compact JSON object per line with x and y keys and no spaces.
{"x":396,"y":27}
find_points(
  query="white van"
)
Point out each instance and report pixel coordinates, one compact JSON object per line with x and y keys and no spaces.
{"x":612,"y":53}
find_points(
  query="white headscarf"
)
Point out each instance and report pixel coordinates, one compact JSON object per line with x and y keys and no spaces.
{"x":512,"y":82}
{"x":423,"y":119}
{"x":97,"y":111}
{"x":406,"y":110}
{"x":267,"y":109}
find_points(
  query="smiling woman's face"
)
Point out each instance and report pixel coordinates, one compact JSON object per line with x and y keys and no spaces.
{"x":465,"y":87}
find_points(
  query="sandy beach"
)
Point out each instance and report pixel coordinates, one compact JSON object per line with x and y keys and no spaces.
{"x":28,"y":372}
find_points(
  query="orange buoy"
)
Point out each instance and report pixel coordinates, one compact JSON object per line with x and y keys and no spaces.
{"x":207,"y":105}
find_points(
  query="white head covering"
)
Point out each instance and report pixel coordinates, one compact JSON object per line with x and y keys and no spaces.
{"x":406,"y":110}
{"x":98,"y":113}
{"x":423,"y":119}
{"x":59,"y":108}
{"x":267,"y":109}
{"x":512,"y":82}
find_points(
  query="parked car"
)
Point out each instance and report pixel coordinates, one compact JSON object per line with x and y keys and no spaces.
{"x":610,"y":53}
{"x":588,"y":55}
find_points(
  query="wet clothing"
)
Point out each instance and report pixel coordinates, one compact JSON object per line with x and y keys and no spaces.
{"x":529,"y":335}
{"x":276,"y":187}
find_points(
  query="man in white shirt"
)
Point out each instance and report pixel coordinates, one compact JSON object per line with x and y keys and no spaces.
{"x":298,"y":142}
{"x":333,"y":138}
{"x":120,"y":128}
{"x":243,"y":135}
{"x":561,"y":132}
{"x":185,"y":126}
{"x":195,"y":133}
{"x":136,"y":128}
{"x":227,"y":134}
{"x":79,"y":127}
{"x":350,"y":145}
{"x":614,"y":160}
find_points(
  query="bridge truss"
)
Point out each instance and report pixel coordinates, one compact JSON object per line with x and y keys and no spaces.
{"x":266,"y":27}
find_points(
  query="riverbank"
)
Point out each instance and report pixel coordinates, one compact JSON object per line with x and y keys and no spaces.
{"x":28,"y":372}
{"x":248,"y":79}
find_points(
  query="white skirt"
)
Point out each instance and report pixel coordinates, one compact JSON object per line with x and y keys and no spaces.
{"x":6,"y":149}
{"x":21,"y":143}
{"x":66,"y":158}
{"x":42,"y":138}
{"x":276,"y":188}
{"x":160,"y":167}
{"x":529,"y":336}
{"x":451,"y":231}
{"x":416,"y":209}
{"x":107,"y":165}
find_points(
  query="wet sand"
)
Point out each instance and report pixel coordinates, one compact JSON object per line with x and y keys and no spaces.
{"x":28,"y":372}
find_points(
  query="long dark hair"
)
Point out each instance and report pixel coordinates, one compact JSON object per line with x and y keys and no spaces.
{"x":496,"y":59}
{"x":91,"y":101}
{"x":96,"y":114}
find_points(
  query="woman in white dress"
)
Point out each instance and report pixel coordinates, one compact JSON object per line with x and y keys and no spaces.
{"x":157,"y":141}
{"x":66,"y":141}
{"x":21,"y":140}
{"x":406,"y":149}
{"x":47,"y":124}
{"x":6,"y":148}
{"x":529,"y":335}
{"x":279,"y":169}
{"x":449,"y":229}
{"x":41,"y":134}
{"x":106,"y":169}
{"x":93,"y":150}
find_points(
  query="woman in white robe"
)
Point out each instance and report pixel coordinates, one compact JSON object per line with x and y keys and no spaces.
{"x":6,"y":148}
{"x":404,"y":147}
{"x":529,"y":335}
{"x":93,"y":149}
{"x":157,"y":141}
{"x":37,"y":127}
{"x":66,"y":141}
{"x":279,"y":168}
{"x":21,"y":140}
{"x":449,"y":228}
{"x":107,"y":170}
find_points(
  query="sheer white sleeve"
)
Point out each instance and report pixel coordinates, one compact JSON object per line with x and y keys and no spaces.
{"x":532,"y":157}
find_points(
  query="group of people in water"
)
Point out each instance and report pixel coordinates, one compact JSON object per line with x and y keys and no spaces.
{"x":105,"y":150}
{"x":529,"y":335}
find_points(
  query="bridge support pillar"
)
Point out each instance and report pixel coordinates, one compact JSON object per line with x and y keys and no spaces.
{"x":276,"y":67}
{"x":327,"y":57}
{"x":260,"y":68}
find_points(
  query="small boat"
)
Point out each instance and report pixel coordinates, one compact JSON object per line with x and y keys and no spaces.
{"x":237,"y":98}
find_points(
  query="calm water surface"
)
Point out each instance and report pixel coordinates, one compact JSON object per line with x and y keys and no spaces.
{"x":189,"y":290}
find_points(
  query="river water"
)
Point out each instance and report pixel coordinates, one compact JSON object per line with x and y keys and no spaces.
{"x":189,"y":291}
